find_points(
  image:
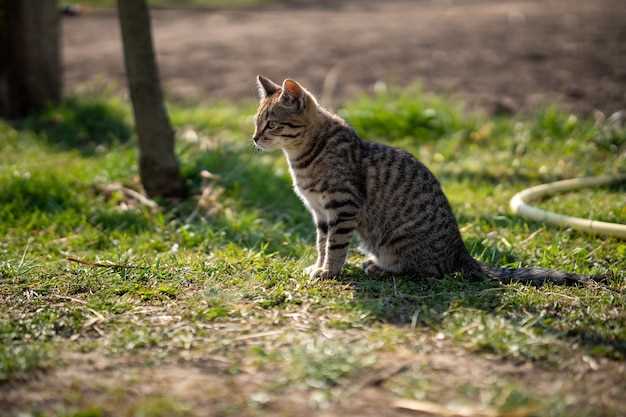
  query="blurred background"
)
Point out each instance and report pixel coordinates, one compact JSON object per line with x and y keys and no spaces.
{"x":498,"y":55}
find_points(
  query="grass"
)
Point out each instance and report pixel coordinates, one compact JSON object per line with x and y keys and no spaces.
{"x":211,"y":291}
{"x":609,"y":203}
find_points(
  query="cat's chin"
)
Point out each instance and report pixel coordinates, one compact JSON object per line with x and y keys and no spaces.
{"x":264,"y":146}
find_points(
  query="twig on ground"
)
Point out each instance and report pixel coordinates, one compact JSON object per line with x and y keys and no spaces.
{"x":387,"y":374}
{"x":258,"y":335}
{"x":102,"y":265}
{"x":562,"y":295}
{"x":98,"y":330}
{"x":380,"y":378}
{"x":65,"y":297}
{"x":531,"y":236}
{"x":93,"y":321}
{"x":432,"y":408}
{"x":129,"y":193}
{"x":98,"y":316}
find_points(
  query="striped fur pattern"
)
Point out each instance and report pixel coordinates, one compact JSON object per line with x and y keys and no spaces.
{"x":390,"y":200}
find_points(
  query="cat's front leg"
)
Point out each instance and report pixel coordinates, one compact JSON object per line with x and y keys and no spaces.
{"x":341,"y":225}
{"x":322,"y":234}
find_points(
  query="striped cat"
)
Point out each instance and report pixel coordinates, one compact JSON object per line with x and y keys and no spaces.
{"x":391,"y":201}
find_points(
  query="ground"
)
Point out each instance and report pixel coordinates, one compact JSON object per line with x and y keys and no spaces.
{"x":112,"y":307}
{"x":500,"y":56}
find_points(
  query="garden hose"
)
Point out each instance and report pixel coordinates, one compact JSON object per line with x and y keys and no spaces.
{"x":519,"y":205}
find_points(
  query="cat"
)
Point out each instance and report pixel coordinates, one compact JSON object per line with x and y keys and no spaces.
{"x":393,"y":203}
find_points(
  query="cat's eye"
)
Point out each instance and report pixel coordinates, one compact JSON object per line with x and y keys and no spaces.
{"x":272,"y":125}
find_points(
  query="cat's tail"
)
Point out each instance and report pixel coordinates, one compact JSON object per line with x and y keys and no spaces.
{"x":537,"y":276}
{"x":533,"y":276}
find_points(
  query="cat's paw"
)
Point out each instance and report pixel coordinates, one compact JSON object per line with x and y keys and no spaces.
{"x":372,"y":270}
{"x":321,"y":273}
{"x":310,"y":269}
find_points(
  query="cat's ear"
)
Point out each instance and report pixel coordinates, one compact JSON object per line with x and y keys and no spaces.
{"x":293,"y":94}
{"x":265,"y":86}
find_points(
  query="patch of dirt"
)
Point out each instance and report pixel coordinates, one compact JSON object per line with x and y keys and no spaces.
{"x":502,"y":56}
{"x":132,"y":385}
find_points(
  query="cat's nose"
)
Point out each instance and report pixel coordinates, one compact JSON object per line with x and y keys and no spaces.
{"x":256,"y":138}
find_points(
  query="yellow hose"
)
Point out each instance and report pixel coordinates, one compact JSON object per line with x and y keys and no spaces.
{"x":519,"y":205}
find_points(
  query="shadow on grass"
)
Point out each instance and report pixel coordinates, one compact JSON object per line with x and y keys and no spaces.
{"x":402,"y":299}
{"x":455,"y":303}
{"x":597,"y":343}
{"x":26,"y":194}
{"x":38,"y":200}
{"x":123,"y":221}
{"x":83,"y":124}
{"x":265,"y":210}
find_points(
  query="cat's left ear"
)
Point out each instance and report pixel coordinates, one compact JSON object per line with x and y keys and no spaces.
{"x":293,"y":95}
{"x":265,"y":86}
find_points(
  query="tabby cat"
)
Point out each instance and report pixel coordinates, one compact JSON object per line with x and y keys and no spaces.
{"x":391,"y":201}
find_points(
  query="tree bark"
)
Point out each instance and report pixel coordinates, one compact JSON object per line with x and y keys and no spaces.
{"x":158,"y":166}
{"x":30,"y":59}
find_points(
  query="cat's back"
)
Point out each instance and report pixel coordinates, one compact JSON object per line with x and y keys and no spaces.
{"x":395,"y":170}
{"x":405,"y":202}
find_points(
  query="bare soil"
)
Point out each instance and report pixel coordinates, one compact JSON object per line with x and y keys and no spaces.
{"x":497,"y":55}
{"x":132,"y":386}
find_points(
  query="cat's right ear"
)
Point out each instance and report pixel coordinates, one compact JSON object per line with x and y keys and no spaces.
{"x":266,"y":87}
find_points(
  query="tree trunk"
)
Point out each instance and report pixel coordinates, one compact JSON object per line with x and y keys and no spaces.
{"x":30,"y":59}
{"x":158,"y":166}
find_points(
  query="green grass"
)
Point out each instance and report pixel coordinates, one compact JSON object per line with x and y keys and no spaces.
{"x":222,"y":285}
{"x":609,"y":203}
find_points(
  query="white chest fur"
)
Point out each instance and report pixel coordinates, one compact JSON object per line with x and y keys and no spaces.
{"x":314,"y":201}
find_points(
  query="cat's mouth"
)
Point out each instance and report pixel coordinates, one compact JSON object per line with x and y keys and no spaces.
{"x":261,"y":144}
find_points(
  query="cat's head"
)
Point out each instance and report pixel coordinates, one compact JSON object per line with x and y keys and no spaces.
{"x":284,"y":116}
